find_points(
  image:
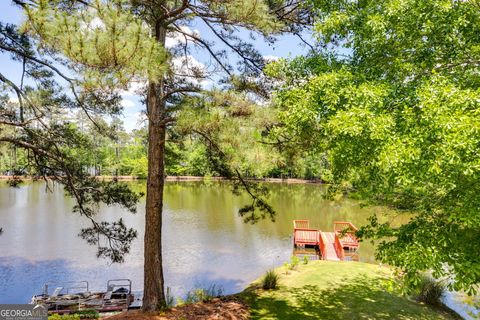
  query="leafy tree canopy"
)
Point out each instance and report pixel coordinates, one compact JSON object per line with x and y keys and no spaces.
{"x":393,"y":98}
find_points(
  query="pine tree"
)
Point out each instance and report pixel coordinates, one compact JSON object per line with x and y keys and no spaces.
{"x":109,"y":44}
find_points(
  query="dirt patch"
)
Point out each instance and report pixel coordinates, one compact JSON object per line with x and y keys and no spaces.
{"x":215,"y":309}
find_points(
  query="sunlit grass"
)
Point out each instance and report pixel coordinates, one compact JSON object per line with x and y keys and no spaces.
{"x":335,"y":290}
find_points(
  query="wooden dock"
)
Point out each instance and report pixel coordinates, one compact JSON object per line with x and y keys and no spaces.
{"x":332,"y":245}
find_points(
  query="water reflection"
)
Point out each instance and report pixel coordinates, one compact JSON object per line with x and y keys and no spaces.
{"x":314,"y":254}
{"x":205,"y":241}
{"x":352,"y":255}
{"x":309,"y":253}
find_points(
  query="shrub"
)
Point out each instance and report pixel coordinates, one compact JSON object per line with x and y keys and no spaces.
{"x":84,"y":314}
{"x":287,"y":267}
{"x":169,"y":299}
{"x":270,"y":280}
{"x":64,"y":317}
{"x":202,"y":294}
{"x":305,"y":260}
{"x":88,"y":314}
{"x":294,"y":261}
{"x":429,"y":291}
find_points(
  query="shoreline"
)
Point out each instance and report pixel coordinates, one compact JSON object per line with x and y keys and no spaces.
{"x":189,"y":178}
{"x":322,"y":282}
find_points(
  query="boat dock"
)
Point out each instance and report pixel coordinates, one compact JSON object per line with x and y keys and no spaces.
{"x":332,"y":245}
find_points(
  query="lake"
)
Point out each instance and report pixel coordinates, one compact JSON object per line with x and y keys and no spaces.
{"x":205,"y":241}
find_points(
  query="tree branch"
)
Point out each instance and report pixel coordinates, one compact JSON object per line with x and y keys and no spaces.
{"x":206,"y":46}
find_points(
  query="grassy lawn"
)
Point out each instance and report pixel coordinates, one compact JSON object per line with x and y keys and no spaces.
{"x":334,"y":290}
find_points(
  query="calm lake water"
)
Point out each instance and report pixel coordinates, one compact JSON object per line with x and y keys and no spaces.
{"x":205,"y":241}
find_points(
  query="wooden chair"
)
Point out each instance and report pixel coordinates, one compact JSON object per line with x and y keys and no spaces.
{"x":303,"y":235}
{"x":345,"y":231}
{"x":301,"y":224}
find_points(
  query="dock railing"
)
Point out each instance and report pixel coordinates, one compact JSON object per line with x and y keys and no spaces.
{"x":301,"y":224}
{"x":322,"y":245}
{"x":345,"y":231}
{"x":339,"y":248}
{"x":342,"y":226}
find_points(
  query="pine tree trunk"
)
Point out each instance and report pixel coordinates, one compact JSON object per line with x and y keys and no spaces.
{"x":154,"y":295}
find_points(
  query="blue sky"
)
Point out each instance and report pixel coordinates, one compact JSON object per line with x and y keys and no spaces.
{"x":286,"y":46}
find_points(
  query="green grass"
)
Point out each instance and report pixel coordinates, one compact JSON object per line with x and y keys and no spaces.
{"x":335,"y":290}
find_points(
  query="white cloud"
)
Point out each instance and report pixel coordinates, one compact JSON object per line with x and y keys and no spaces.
{"x":13,"y":100}
{"x":134,"y":120}
{"x":190,"y":70}
{"x":270,"y":58}
{"x":176,"y":38}
{"x":95,"y":23}
{"x":126,"y":103}
{"x":186,"y":64}
{"x":140,"y":117}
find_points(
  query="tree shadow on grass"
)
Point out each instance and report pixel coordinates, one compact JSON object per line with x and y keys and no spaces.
{"x":360,"y":298}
